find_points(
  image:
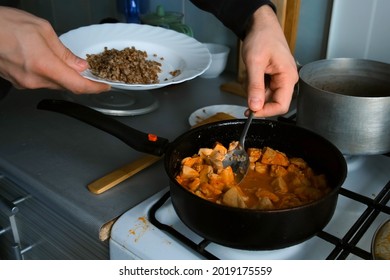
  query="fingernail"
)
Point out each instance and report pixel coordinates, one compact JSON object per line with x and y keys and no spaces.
{"x":255,"y":104}
{"x":81,"y":62}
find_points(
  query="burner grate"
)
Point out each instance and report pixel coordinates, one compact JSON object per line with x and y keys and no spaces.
{"x":197,"y":247}
{"x":343,"y":247}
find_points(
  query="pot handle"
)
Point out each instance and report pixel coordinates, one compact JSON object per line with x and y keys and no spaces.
{"x":140,"y":141}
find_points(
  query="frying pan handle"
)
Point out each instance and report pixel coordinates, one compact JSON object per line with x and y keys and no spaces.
{"x":140,"y":141}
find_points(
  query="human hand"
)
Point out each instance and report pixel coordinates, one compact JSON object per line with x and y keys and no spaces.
{"x":265,"y":51}
{"x":32,"y":56}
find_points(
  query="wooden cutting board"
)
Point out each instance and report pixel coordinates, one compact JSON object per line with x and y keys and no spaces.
{"x":119,"y":175}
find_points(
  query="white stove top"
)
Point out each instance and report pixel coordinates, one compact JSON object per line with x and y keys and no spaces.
{"x":133,"y":236}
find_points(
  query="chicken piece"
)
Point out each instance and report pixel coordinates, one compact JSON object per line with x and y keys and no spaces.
{"x":194,"y":184}
{"x":184,"y":160}
{"x":188,"y":172}
{"x":233,"y":145}
{"x":208,"y":191}
{"x":278,"y":171}
{"x":194,"y":162}
{"x":205,"y":152}
{"x":261,"y":168}
{"x":180,"y":180}
{"x":299,"y":162}
{"x":271,"y":156}
{"x":205,"y":173}
{"x":261,"y":193}
{"x":252,"y":165}
{"x":235,"y":198}
{"x":279,"y":185}
{"x":216,"y":164}
{"x":216,"y":157}
{"x":254,"y":154}
{"x":300,"y":180}
{"x":227,"y":176}
{"x":191,"y":161}
{"x":294,"y":169}
{"x":220,"y":149}
{"x":217,"y":181}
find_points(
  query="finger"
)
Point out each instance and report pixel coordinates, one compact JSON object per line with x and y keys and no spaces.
{"x":74,"y":81}
{"x":77,"y":84}
{"x":61,"y":75}
{"x":277,"y":101}
{"x":255,"y":88}
{"x":74,"y":61}
{"x":58,"y":48}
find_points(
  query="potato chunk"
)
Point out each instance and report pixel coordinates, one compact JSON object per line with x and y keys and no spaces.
{"x":234,"y":197}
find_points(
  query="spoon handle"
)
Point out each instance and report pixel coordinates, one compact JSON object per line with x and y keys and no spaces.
{"x":245,"y":130}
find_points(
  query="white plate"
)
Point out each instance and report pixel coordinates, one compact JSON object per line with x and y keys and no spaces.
{"x":206,"y":112}
{"x":179,"y":51}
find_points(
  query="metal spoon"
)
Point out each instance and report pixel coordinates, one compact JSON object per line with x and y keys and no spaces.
{"x":238,"y":158}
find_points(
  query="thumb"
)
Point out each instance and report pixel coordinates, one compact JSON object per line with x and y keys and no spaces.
{"x":256,"y":89}
{"x":63,"y":53}
{"x":74,"y":61}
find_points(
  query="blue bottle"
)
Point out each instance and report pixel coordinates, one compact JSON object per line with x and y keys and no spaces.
{"x":132,"y":11}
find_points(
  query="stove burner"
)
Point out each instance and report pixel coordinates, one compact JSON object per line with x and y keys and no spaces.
{"x":118,"y":102}
{"x":342,"y":246}
{"x":199,"y":248}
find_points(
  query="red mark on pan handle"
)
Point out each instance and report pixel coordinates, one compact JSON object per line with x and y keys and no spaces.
{"x":152,"y":137}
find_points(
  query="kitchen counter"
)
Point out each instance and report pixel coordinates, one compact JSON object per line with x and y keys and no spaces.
{"x":54,"y":157}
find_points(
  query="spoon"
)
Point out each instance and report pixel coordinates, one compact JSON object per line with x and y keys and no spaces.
{"x":238,"y":158}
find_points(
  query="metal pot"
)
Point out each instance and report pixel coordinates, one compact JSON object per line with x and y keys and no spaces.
{"x":348,"y":102}
{"x":229,"y":226}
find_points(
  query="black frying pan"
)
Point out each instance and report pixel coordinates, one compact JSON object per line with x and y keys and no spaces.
{"x":234,"y":227}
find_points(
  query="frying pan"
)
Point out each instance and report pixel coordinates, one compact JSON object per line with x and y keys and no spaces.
{"x":229,"y":226}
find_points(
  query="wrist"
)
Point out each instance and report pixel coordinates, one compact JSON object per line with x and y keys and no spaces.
{"x":261,"y":16}
{"x":264,"y":14}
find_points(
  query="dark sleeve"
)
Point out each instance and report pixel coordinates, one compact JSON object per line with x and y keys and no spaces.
{"x":234,"y":14}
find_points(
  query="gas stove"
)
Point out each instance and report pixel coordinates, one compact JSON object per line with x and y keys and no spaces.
{"x":152,"y":230}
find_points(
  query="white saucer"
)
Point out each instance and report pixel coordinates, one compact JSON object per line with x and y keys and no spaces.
{"x":206,"y":112}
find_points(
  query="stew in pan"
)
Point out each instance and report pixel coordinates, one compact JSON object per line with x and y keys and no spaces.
{"x":273,"y":181}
